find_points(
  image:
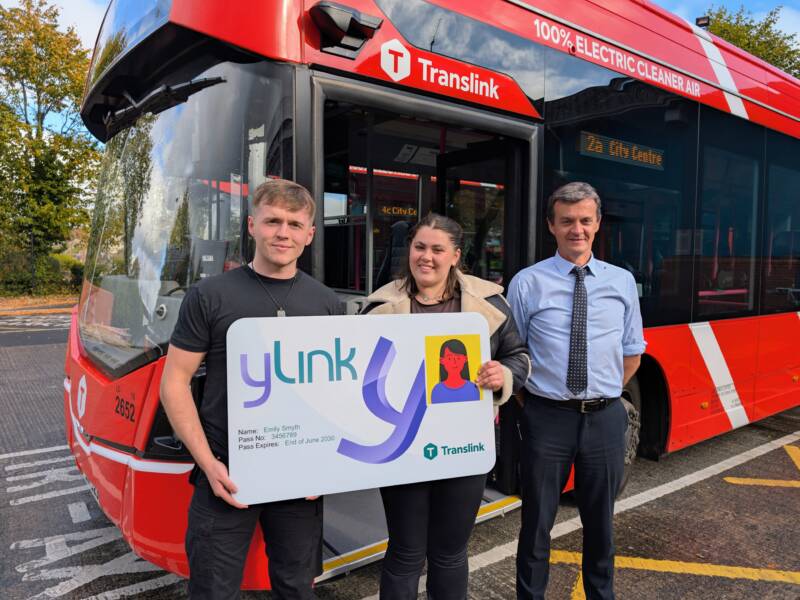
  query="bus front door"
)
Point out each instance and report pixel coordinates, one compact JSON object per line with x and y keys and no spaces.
{"x":382,"y":160}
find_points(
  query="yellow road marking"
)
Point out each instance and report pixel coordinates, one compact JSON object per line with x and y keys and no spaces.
{"x":686,"y":568}
{"x":625,"y":562}
{"x":577,"y":589}
{"x":763,"y":482}
{"x":794,"y":454}
{"x":34,"y":311}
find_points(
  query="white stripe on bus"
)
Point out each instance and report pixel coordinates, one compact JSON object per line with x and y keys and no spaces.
{"x":134,"y":462}
{"x":720,"y":374}
{"x":723,"y":74}
{"x":645,"y":55}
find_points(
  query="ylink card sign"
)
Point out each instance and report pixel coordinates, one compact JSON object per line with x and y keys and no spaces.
{"x":600,"y":146}
{"x":319,"y":405}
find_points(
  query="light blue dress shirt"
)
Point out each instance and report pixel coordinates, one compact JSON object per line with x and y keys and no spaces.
{"x":541,"y":300}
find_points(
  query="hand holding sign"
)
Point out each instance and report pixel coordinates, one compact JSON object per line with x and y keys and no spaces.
{"x":490,"y":376}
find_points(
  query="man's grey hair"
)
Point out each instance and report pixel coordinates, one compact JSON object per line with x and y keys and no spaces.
{"x":572,"y":193}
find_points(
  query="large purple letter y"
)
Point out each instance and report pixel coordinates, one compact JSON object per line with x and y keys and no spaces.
{"x":406,"y":423}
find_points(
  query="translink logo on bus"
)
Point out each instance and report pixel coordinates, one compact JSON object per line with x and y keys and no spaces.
{"x":396,"y":63}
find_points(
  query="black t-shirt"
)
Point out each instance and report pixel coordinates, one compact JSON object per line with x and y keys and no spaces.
{"x":212,"y":305}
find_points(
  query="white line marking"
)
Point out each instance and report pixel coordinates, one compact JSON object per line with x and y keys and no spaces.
{"x":122,"y":565}
{"x":48,"y":574}
{"x":30,"y":452}
{"x":38,"y":463}
{"x":61,"y":474}
{"x":79,"y":512}
{"x":720,"y":375}
{"x":509,"y":549}
{"x":48,"y":495}
{"x":58,"y":547}
{"x":137,"y":588}
{"x":67,"y":385}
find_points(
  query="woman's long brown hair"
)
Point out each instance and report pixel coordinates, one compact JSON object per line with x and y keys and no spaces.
{"x":455,"y":233}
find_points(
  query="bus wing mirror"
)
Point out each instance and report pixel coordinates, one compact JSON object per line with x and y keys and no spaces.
{"x":343,"y":29}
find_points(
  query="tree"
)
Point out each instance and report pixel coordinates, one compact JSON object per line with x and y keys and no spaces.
{"x":47,"y":159}
{"x":761,"y":38}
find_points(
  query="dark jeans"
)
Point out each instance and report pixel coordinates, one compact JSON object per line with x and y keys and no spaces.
{"x":218,"y":538}
{"x":433,"y":518}
{"x":552,"y":439}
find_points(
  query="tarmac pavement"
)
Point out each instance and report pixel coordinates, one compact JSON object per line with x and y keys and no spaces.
{"x":717,"y":520}
{"x":34,"y":325}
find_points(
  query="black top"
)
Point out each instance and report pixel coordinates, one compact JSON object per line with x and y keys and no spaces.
{"x":448,"y":306}
{"x":212,"y":305}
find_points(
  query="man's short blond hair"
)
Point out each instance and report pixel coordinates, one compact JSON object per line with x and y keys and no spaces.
{"x":287,"y":193}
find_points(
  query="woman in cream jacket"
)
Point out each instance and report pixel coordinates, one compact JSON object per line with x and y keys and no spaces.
{"x":434,"y":519}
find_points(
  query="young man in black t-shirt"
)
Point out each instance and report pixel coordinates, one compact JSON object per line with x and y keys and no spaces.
{"x":220,"y":528}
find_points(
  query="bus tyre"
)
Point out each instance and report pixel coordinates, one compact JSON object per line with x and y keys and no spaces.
{"x":632,"y":401}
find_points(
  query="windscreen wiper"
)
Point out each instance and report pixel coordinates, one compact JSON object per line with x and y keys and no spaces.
{"x":158,"y":100}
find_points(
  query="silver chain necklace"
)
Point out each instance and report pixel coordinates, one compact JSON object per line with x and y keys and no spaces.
{"x":281,"y":312}
{"x":425,"y":298}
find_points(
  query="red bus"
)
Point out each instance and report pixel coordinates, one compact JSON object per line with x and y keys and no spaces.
{"x":385,"y":110}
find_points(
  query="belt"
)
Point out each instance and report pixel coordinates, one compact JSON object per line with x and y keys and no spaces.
{"x":582,"y":406}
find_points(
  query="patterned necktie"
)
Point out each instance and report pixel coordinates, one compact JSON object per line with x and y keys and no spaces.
{"x":576,"y":368}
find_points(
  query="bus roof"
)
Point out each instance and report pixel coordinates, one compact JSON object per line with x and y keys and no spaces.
{"x":633,"y":37}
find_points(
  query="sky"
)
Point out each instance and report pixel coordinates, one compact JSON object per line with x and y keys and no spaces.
{"x":690,"y":9}
{"x":86,"y":15}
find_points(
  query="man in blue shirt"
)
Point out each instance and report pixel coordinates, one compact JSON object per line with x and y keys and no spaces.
{"x":581,"y":321}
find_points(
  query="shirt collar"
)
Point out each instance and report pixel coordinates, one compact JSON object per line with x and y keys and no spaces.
{"x":565,"y":267}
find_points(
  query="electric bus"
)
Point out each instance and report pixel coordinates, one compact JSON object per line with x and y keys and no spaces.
{"x":389,"y":109}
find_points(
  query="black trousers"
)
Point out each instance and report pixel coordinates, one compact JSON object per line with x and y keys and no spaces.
{"x":219,"y":535}
{"x":433,"y":518}
{"x":552,"y":439}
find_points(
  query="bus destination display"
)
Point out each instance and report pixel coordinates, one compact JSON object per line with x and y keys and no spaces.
{"x":600,"y":146}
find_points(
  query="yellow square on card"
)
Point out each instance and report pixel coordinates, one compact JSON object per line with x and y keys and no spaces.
{"x":451,"y":367}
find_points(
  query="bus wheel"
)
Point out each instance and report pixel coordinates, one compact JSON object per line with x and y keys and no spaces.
{"x":632,"y":401}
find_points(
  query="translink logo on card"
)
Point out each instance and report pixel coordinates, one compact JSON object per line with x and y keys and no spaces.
{"x":431,"y":451}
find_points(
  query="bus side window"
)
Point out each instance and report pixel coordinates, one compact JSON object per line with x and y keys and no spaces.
{"x":730,"y":184}
{"x":781,"y":262}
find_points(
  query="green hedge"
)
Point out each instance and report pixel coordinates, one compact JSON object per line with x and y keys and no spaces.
{"x":54,"y":274}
